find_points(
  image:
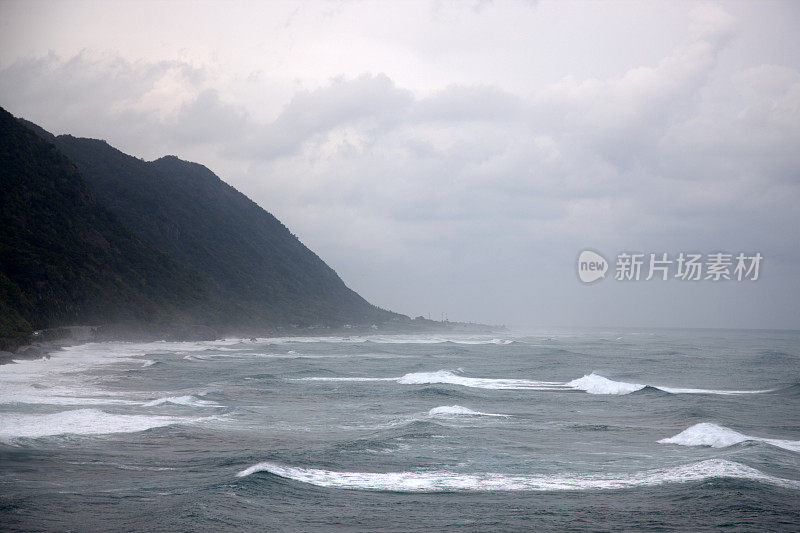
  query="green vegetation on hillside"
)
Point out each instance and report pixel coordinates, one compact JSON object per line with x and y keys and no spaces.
{"x":90,"y":235}
{"x":66,"y":259}
{"x":245,"y":253}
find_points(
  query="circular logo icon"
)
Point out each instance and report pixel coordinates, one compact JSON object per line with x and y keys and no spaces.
{"x":591,"y":266}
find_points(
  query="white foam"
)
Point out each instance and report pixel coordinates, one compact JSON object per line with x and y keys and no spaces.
{"x":596,"y":384}
{"x":66,"y":378}
{"x":434,"y":339}
{"x":123,"y":466}
{"x":450,"y":411}
{"x":590,"y":383}
{"x":61,"y":396}
{"x":391,"y":339}
{"x":593,"y":383}
{"x":183,"y":400}
{"x":674,"y":390}
{"x":449,"y":481}
{"x":707,"y":434}
{"x":318,"y":339}
{"x":356,"y":379}
{"x":78,"y":422}
{"x":149,"y":362}
{"x":448,"y":377}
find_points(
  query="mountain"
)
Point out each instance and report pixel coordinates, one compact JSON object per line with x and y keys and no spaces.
{"x":262,"y":272}
{"x":65,"y":259}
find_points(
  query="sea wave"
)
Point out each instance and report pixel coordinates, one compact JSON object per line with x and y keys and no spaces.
{"x":189,"y":400}
{"x":441,"y":481}
{"x":455,"y":378}
{"x":78,"y":422}
{"x":59,"y":396}
{"x":596,"y":384}
{"x":392,"y":339}
{"x":707,"y":434}
{"x":451,"y":411}
{"x":345,"y":379}
{"x":590,"y":383}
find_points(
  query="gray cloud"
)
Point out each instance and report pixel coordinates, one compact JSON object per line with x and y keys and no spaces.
{"x":367,"y":102}
{"x":475,"y":199}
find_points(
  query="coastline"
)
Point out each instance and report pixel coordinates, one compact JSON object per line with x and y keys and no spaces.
{"x":44,"y":342}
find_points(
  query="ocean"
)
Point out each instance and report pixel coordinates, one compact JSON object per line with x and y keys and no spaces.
{"x":597,"y":430}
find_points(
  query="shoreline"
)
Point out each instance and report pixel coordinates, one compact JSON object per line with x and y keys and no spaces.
{"x":57,"y":338}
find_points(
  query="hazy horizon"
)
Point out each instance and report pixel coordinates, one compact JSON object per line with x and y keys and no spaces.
{"x":454,"y":159}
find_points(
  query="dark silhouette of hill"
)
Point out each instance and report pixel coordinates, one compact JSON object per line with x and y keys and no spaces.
{"x":261,"y":272}
{"x":66,"y":259}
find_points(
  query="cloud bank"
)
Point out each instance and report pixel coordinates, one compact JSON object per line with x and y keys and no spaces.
{"x":473,"y":198}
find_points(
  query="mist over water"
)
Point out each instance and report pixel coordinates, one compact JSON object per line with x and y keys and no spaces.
{"x":616,"y":430}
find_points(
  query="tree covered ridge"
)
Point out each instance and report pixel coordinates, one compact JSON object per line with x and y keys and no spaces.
{"x":247,"y":255}
{"x":66,"y":259}
{"x":91,"y":235}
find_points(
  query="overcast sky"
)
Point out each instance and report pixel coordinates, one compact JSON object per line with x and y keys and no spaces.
{"x":456,"y":157}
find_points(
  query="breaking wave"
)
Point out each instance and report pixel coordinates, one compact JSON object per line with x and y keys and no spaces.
{"x":189,"y":399}
{"x":391,"y":339}
{"x":453,"y":482}
{"x":596,"y":384}
{"x":451,"y":411}
{"x":78,"y":422}
{"x":452,"y":378}
{"x":707,"y":434}
{"x":590,"y":383}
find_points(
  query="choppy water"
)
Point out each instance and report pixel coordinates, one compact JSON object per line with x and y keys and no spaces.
{"x":601,"y":430}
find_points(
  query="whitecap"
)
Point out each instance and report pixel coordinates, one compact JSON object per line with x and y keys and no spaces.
{"x":675,"y":390}
{"x":182,"y":400}
{"x":441,"y":481}
{"x":590,"y":383}
{"x":450,"y":411}
{"x":449,"y":377}
{"x":707,"y":434}
{"x":78,"y":422}
{"x":596,"y":384}
{"x":391,"y":339}
{"x":356,"y":379}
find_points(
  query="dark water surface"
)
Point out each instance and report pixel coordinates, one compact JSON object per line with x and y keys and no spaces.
{"x":599,"y":430}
